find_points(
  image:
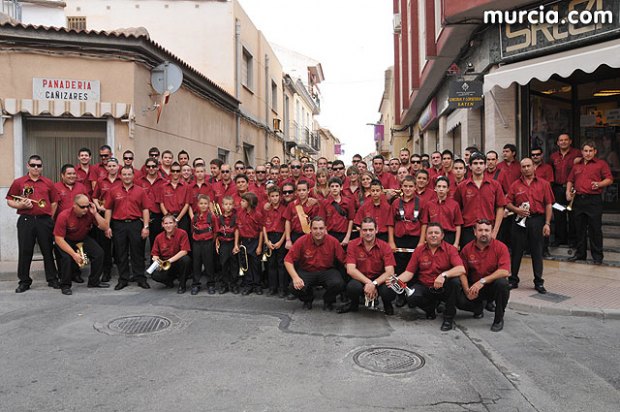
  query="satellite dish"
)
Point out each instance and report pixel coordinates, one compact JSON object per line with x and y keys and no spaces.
{"x":166,"y":77}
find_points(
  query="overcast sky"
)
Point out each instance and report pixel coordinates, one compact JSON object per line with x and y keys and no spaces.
{"x":352,"y":39}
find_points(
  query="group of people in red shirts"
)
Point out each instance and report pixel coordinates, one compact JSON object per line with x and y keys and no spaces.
{"x":416,"y":229}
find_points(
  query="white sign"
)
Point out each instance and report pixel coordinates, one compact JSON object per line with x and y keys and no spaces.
{"x":65,"y":89}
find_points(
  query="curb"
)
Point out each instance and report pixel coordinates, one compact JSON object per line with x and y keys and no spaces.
{"x":565,"y":311}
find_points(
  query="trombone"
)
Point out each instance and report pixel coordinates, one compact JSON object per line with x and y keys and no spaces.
{"x":243,"y":255}
{"x":80,"y":251}
{"x":41,"y":203}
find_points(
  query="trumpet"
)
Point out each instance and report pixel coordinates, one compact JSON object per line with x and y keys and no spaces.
{"x":217,"y":210}
{"x":242,"y":268}
{"x":80,"y":251}
{"x":521,"y":220}
{"x":399,"y":192}
{"x":266,"y":255}
{"x":570,"y":204}
{"x":159,"y":265}
{"x":41,"y":203}
{"x":399,"y":286}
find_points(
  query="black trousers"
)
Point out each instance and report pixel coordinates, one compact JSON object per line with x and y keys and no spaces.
{"x":588,"y":214}
{"x":355,"y":291}
{"x":203,"y":257}
{"x":278,"y":278}
{"x":229,"y":275}
{"x":449,"y":237}
{"x":155,"y":227}
{"x":68,"y":265}
{"x":330,"y":279}
{"x":178,"y":270}
{"x":505,"y":231}
{"x":339,"y":235}
{"x":523,"y":237}
{"x":497,"y":291}
{"x":252,"y":274}
{"x":427,"y":298}
{"x":467,"y":235}
{"x":106,"y":245}
{"x":31,"y":229}
{"x":127,"y":239}
{"x":563,"y":222}
{"x":402,"y":258}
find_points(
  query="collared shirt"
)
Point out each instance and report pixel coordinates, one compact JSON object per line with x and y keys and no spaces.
{"x":174,"y":198}
{"x":336,"y":222}
{"x":226,"y":227}
{"x":544,"y":171}
{"x":204,"y":226}
{"x":125,"y":203}
{"x":291,"y":215}
{"x":104,"y":185}
{"x":310,"y":257}
{"x":538,"y":193}
{"x":71,"y":227}
{"x":426,"y":196}
{"x":388,"y":180}
{"x":66,"y":194}
{"x":97,"y":172}
{"x":291,"y":180}
{"x":371,"y":263}
{"x":408,"y":219}
{"x":260,"y":191}
{"x":446,"y":213}
{"x":483,"y":262}
{"x":563,"y":164}
{"x":152,"y":191}
{"x":220,"y":190}
{"x":381,"y":213}
{"x":513,"y":170}
{"x":195,"y":190}
{"x":250,"y":223}
{"x":165,"y":247}
{"x":83,"y":177}
{"x":479,"y":203}
{"x":426,"y":265}
{"x":43,"y":189}
{"x":274,"y":218}
{"x":583,"y":174}
{"x":499,"y":176}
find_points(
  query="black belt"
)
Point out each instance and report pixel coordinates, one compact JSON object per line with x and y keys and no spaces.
{"x":586,"y":195}
{"x":37,"y":216}
{"x":126,"y":220}
{"x":559,"y":184}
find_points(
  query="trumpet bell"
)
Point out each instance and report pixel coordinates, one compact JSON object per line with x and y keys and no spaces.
{"x":166,"y":265}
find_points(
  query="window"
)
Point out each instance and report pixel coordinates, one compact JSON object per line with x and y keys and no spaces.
{"x":247,"y":74}
{"x":274,"y":96}
{"x":248,"y":154}
{"x":222,"y":154}
{"x":76,"y":23}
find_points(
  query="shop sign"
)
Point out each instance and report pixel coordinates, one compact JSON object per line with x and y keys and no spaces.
{"x":613,"y":117}
{"x":465,"y":94}
{"x":523,"y":37}
{"x":65,"y":89}
{"x":428,"y":115}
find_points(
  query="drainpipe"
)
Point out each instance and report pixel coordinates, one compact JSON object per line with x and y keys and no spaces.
{"x":237,"y":81}
{"x":267,"y":96}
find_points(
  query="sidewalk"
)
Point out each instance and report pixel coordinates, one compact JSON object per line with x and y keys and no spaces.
{"x":574,"y":289}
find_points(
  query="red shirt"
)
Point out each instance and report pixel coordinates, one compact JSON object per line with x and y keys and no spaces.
{"x":83,"y":177}
{"x":195,"y":190}
{"x":71,"y":227}
{"x":407,"y":216}
{"x":226,"y":227}
{"x":538,"y":193}
{"x":433,"y":173}
{"x":152,"y":191}
{"x":174,"y":198}
{"x":310,"y":257}
{"x":371,"y":263}
{"x":337,"y":222}
{"x":426,"y":266}
{"x":220,"y":190}
{"x":446,"y":213}
{"x":291,"y":215}
{"x":382,"y":214}
{"x":583,"y":174}
{"x":259,"y":190}
{"x":483,"y":262}
{"x":544,"y":171}
{"x":274,"y":219}
{"x":97,"y":172}
{"x":291,"y":180}
{"x":479,"y":203}
{"x":563,"y":164}
{"x":513,"y":170}
{"x":250,"y":223}
{"x":426,"y":196}
{"x":104,"y":185}
{"x":499,"y":176}
{"x":43,"y":189}
{"x":126,"y":204}
{"x":66,"y":194}
{"x":388,"y":180}
{"x":165,"y":247}
{"x":204,"y":226}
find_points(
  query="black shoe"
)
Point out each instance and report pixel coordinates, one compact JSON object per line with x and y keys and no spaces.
{"x":344,"y":298}
{"x":388,"y":309}
{"x":479,"y":315}
{"x":400,"y":301}
{"x":22,"y":288}
{"x":290,"y":296}
{"x":66,"y":291}
{"x":490,"y":306}
{"x":441,"y":307}
{"x":349,"y":307}
{"x":575,"y":258}
{"x":246,"y":291}
{"x":308,"y":304}
{"x":447,"y":324}
{"x":211,"y":290}
{"x":282,"y":294}
{"x":234,"y":289}
{"x":78,"y":279}
{"x":497,"y":326}
{"x":106,"y":277}
{"x":540,"y":289}
{"x":181,"y":290}
{"x":120,"y":285}
{"x":272,"y":292}
{"x":54,"y":284}
{"x":195,"y":290}
{"x":597,"y":262}
{"x":546,"y":253}
{"x":169,"y":285}
{"x":99,"y":285}
{"x":513,"y":286}
{"x":144,"y":284}
{"x":431,"y":315}
{"x":223,"y":290}
{"x":258,"y":290}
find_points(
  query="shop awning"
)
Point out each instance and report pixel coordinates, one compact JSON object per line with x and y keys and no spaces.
{"x":60,"y":107}
{"x":587,"y":59}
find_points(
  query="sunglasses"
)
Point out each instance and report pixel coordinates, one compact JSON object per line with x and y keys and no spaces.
{"x":176,"y":170}
{"x":261,"y":171}
{"x":35,"y":165}
{"x":288,"y":192}
{"x":127,"y":158}
{"x":225,"y":171}
{"x":239,"y":168}
{"x":337,"y":168}
{"x":104,"y":155}
{"x":536,"y":154}
{"x":483,"y":221}
{"x":356,"y":161}
{"x":151,"y":167}
{"x":416,"y":161}
{"x":153,"y":154}
{"x":295,"y":167}
{"x":83,"y":207}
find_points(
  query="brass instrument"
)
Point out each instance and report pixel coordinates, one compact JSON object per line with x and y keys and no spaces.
{"x":404,"y":250}
{"x":570,"y":204}
{"x":399,"y":286}
{"x":217,"y":210}
{"x":159,"y":265}
{"x":80,"y":251}
{"x":370,"y":303}
{"x":399,"y":192}
{"x":41,"y":203}
{"x":521,"y":220}
{"x":242,"y":268}
{"x":266,"y":255}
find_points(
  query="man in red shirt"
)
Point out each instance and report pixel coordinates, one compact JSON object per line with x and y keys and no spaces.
{"x":151,"y":181}
{"x":72,"y":227}
{"x":128,"y":158}
{"x":542,"y":170}
{"x":83,"y":168}
{"x":35,"y":199}
{"x":531,"y":199}
{"x":175,"y":197}
{"x":588,"y":178}
{"x":495,"y":173}
{"x":273,"y":233}
{"x":435,"y":167}
{"x":68,"y":188}
{"x":510,"y":165}
{"x":339,"y":212}
{"x":225,"y":186}
{"x":311,"y":262}
{"x":259,"y":187}
{"x":127,"y":209}
{"x":370,"y":263}
{"x":388,"y":180}
{"x":99,"y":171}
{"x":172,"y":245}
{"x":298,"y":217}
{"x":377,"y":208}
{"x":432,"y":265}
{"x":487,"y":263}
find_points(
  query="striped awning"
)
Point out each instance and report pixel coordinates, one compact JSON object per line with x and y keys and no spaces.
{"x":63,"y":107}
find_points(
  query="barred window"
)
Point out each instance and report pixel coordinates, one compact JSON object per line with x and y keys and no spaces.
{"x":76,"y":23}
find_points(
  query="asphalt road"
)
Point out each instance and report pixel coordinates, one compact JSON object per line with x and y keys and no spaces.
{"x":261,"y":353}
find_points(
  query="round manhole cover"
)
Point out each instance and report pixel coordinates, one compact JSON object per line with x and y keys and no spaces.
{"x":135,"y":325}
{"x":388,"y":360}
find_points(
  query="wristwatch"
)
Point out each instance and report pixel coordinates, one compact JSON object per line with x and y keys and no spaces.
{"x":483,"y":281}
{"x":445,"y":276}
{"x":374,"y":282}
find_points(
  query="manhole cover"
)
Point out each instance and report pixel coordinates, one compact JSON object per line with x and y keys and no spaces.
{"x":134,"y":325}
{"x":388,"y":360}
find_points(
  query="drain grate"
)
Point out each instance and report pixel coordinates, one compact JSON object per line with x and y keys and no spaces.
{"x":388,"y":360}
{"x":135,"y":325}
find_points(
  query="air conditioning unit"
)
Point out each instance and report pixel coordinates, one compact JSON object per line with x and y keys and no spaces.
{"x":397,"y":23}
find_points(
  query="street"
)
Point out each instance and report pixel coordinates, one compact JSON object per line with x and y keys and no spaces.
{"x":261,"y":353}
